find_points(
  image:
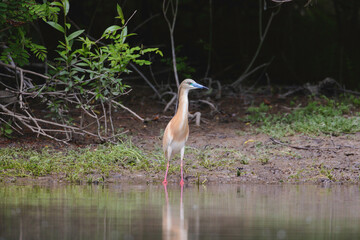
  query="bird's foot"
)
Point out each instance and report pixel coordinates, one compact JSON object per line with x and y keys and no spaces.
{"x":164,"y":182}
{"x":182,"y":182}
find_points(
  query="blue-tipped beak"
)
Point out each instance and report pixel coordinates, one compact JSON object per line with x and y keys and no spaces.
{"x":198,"y":86}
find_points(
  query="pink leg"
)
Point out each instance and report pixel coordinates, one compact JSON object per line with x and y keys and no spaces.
{"x":167,"y":169}
{"x":181,"y":165}
{"x":168,"y":153}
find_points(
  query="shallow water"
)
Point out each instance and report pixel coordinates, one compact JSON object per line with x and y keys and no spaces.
{"x":152,"y":212}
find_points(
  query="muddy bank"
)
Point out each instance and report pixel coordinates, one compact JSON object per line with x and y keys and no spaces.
{"x":224,"y":149}
{"x":226,"y":153}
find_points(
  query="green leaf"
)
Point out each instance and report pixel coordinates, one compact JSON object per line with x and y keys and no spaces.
{"x":56,"y":26}
{"x":75,"y":34}
{"x":8,"y":131}
{"x":66,"y":6}
{"x":159,"y":52}
{"x":120,"y":12}
{"x":123,"y":34}
{"x":56,"y":4}
{"x":111,"y":29}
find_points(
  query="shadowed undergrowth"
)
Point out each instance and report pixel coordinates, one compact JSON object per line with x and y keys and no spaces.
{"x":328,"y":117}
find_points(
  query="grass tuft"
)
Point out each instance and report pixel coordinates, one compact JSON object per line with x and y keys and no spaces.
{"x":76,"y":165}
{"x":318,"y":117}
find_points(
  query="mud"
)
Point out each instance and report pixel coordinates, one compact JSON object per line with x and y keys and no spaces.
{"x":295,"y":159}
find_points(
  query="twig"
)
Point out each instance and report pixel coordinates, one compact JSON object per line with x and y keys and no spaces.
{"x":210,"y":39}
{"x":210,"y":104}
{"x":111,"y":121}
{"x":263,"y":35}
{"x":245,"y":75}
{"x":27,"y":119}
{"x":120,"y":105}
{"x":132,"y":15}
{"x":5,"y":122}
{"x":146,"y":80}
{"x":290,"y":92}
{"x":129,"y":110}
{"x":171,"y":26}
{"x":105,"y":120}
{"x":307,"y":4}
{"x":288,"y":145}
{"x":170,"y":102}
{"x":282,"y":1}
{"x":21,"y":103}
{"x":144,"y":22}
{"x":25,"y":71}
{"x":46,"y":77}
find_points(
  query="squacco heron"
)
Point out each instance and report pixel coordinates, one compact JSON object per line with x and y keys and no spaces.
{"x":177,"y":130}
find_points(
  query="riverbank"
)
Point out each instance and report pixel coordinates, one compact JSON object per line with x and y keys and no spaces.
{"x":268,"y":143}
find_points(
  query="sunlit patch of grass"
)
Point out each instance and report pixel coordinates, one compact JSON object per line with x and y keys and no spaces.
{"x":76,"y":165}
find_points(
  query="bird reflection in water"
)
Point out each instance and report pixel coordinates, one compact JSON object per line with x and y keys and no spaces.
{"x":174,"y":225}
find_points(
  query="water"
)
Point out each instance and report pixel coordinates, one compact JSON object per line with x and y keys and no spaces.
{"x":152,"y":212}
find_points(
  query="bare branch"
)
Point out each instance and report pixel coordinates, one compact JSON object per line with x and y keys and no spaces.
{"x":171,"y":26}
{"x":171,"y":101}
{"x":262,"y":38}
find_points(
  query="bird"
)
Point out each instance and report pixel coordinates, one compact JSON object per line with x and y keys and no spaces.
{"x":177,"y":131}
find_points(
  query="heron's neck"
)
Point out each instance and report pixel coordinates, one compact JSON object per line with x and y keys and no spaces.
{"x":183,"y":104}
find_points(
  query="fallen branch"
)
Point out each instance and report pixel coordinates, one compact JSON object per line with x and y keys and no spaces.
{"x":288,"y":145}
{"x":197,"y":117}
{"x":311,"y":148}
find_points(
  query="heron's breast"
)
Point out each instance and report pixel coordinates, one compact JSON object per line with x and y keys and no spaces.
{"x":176,"y":146}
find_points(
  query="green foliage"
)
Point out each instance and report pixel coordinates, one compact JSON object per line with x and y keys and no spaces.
{"x":85,"y":66}
{"x":15,"y":17}
{"x":182,"y":65}
{"x":351,"y":100}
{"x":86,"y":73}
{"x":257,"y":114}
{"x":6,"y":130}
{"x":326,"y":172}
{"x":77,"y":164}
{"x":329,"y":117}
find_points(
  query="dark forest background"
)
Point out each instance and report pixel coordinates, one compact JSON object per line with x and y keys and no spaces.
{"x":307,"y":41}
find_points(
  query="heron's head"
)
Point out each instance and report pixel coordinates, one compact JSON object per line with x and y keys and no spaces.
{"x":191,"y":84}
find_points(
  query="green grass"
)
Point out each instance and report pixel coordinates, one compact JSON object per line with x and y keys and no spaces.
{"x":96,"y":165}
{"x":76,"y":165}
{"x":325,"y":116}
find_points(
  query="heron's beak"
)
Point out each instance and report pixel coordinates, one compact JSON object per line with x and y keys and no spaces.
{"x":198,"y":86}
